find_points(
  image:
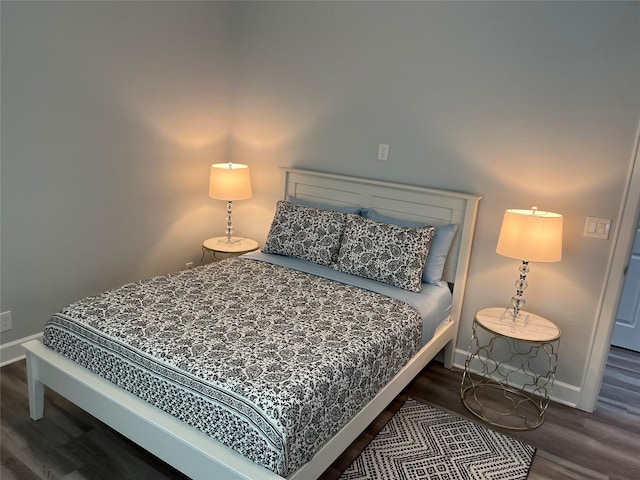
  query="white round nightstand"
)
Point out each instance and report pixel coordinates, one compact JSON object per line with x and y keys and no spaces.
{"x":237,"y":246}
{"x":516,"y":364}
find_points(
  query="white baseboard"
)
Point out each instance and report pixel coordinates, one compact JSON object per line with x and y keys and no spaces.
{"x":12,"y":352}
{"x":562,"y":392}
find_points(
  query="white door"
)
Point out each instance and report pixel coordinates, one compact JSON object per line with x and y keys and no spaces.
{"x":626,"y":333}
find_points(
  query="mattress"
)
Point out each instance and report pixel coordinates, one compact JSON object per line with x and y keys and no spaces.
{"x":267,"y":359}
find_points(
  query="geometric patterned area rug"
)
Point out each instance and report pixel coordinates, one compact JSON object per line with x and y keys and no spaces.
{"x":423,"y":442}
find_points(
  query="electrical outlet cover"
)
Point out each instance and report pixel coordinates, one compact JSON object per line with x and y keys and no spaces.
{"x":5,"y":321}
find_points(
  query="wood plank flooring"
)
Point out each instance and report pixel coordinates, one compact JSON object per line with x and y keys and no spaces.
{"x":70,"y":444}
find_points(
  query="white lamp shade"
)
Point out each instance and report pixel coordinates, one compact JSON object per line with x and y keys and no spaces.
{"x":531,"y":235}
{"x":229,"y":181}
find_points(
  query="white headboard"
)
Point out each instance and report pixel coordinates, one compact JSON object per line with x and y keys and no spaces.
{"x":428,"y":205}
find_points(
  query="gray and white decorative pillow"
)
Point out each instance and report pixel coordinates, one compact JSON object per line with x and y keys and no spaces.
{"x":383,"y":252}
{"x":438,"y":251}
{"x":305,"y":232}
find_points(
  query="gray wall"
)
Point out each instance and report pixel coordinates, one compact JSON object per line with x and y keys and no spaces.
{"x":112,"y":112}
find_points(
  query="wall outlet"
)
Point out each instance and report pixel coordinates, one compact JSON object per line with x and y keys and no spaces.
{"x":383,"y":152}
{"x":5,"y":321}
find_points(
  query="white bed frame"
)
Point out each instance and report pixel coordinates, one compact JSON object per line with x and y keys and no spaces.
{"x":201,"y":457}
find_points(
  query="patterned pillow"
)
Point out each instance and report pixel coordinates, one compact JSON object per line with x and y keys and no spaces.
{"x":384,"y":252}
{"x":305,"y":232}
{"x":438,"y":251}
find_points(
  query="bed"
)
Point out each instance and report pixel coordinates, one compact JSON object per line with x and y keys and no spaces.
{"x":264,"y":417}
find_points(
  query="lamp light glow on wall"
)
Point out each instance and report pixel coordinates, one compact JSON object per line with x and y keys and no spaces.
{"x":530,"y":236}
{"x":229,"y":181}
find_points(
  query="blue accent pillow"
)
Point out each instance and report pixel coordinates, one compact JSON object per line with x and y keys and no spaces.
{"x":440,"y":245}
{"x":371,"y":214}
{"x":355,"y":209}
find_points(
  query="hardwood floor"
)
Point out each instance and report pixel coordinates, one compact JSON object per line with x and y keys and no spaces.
{"x":70,"y":444}
{"x":571,"y":443}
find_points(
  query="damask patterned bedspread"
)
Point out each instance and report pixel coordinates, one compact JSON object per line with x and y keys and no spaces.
{"x":269,"y":361}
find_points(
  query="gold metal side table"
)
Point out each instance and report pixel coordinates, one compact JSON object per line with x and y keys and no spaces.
{"x":514,"y":365}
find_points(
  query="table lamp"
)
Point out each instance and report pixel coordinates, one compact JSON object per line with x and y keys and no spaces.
{"x":229,"y":181}
{"x":530,"y":236}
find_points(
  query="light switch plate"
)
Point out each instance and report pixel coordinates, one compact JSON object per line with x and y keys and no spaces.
{"x":597,"y":227}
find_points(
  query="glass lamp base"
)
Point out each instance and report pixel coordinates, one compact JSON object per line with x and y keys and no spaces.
{"x":519,"y":318}
{"x":230,"y":241}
